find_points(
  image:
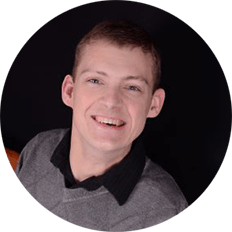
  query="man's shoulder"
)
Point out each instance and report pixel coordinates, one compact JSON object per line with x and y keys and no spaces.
{"x":159,"y":189}
{"x":39,"y":149}
{"x":53,"y":136}
{"x":46,"y":139}
{"x":155,"y":198}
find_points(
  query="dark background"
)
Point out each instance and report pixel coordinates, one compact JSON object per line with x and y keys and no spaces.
{"x":188,"y":139}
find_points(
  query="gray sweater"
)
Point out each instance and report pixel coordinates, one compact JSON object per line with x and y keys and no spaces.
{"x":155,"y":198}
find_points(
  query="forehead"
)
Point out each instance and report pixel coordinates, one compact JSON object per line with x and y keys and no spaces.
{"x":117,"y":61}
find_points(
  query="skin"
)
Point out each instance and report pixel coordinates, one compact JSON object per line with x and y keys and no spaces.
{"x":110,"y":82}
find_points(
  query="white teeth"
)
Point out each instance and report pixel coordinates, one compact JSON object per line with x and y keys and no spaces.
{"x":114,"y":122}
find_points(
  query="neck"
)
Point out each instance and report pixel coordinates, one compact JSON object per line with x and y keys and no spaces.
{"x":87,"y":161}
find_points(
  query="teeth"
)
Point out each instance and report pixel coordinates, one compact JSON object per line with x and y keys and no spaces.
{"x":110,"y":121}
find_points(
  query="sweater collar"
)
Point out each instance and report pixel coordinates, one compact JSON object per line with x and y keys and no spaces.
{"x":120,"y":180}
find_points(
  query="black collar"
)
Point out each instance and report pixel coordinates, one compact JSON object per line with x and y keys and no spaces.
{"x":120,"y":180}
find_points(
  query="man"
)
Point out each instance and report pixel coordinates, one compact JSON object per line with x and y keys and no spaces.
{"x":96,"y":175}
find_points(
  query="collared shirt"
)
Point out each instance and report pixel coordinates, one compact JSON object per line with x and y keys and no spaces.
{"x":120,"y":180}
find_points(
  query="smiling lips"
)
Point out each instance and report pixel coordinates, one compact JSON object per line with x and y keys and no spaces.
{"x":109,"y":121}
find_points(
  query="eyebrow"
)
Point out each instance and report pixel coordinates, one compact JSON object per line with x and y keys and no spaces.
{"x":140,"y":78}
{"x":93,"y":71}
{"x":131,"y":77}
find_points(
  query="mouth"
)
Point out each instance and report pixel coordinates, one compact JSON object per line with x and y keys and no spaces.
{"x":112,"y":122}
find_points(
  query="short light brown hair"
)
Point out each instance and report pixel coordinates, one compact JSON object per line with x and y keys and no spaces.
{"x":122,"y":33}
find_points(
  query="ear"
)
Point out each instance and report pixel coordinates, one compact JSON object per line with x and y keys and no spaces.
{"x":67,"y":90}
{"x":156,"y":103}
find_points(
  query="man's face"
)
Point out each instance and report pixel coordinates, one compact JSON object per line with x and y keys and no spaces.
{"x":111,"y":96}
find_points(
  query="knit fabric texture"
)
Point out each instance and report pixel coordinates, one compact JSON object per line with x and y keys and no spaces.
{"x":155,"y":198}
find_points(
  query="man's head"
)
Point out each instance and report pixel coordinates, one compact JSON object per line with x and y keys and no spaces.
{"x":121,"y":33}
{"x":111,"y":90}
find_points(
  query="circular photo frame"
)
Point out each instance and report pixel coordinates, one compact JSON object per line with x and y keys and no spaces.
{"x":189,"y":137}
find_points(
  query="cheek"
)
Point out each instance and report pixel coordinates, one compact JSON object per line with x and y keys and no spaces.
{"x":138,"y":113}
{"x":82,"y":98}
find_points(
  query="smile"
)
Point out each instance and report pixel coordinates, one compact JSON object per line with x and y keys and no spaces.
{"x":109,"y":121}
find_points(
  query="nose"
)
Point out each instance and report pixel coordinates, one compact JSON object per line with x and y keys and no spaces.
{"x":112,"y":98}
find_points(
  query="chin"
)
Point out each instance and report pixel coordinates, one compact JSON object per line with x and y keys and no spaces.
{"x":109,"y":146}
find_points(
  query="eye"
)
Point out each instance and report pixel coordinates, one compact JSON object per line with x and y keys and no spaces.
{"x":134,"y":88}
{"x":94,"y":81}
